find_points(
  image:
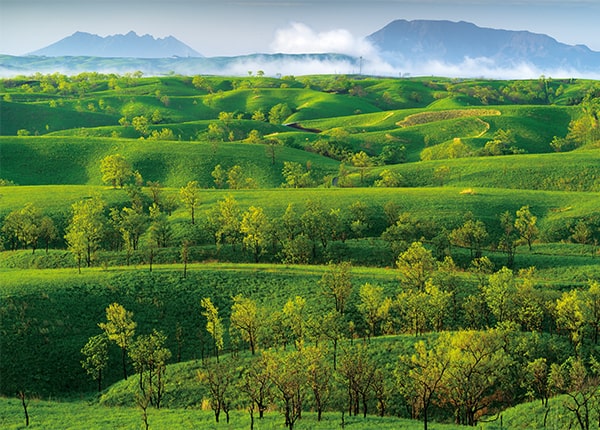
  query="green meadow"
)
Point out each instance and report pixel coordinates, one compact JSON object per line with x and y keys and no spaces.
{"x":292,"y":178}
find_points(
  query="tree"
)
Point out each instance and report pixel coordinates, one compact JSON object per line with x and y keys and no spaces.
{"x":219,"y":175}
{"x":581,"y":233}
{"x":389,"y":179}
{"x":422,"y":374}
{"x":246,"y":320}
{"x":256,"y":228}
{"x":478,"y":368}
{"x":149,"y":357}
{"x":279,"y":113}
{"x":569,"y":315}
{"x":256,"y":384}
{"x":416,"y":265}
{"x":132,"y":224}
{"x":373,"y":306}
{"x":235,"y":178}
{"x":336,"y":283}
{"x":362,"y":161}
{"x":525,"y":223}
{"x":358,"y":369}
{"x":219,"y":378}
{"x":472,"y":234}
{"x":116,"y":170}
{"x":25,"y":226}
{"x":160,"y":231}
{"x":85,"y":230}
{"x":214,"y":325}
{"x":120,"y":329}
{"x":295,"y":176}
{"x":225,"y":218}
{"x":190,"y":197}
{"x":580,"y":384}
{"x":288,"y":376}
{"x":500,"y":295}
{"x":295,"y":319}
{"x":95,"y":353}
{"x":141,"y":125}
{"x":319,"y":377}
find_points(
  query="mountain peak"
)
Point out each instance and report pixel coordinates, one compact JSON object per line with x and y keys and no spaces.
{"x":119,"y":45}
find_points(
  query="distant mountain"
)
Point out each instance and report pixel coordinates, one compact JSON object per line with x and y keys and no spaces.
{"x":128,"y":45}
{"x":449,"y":42}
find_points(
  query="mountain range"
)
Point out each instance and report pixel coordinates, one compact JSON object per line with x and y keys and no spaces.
{"x":453,"y":42}
{"x":420,"y":47}
{"x":119,"y":45}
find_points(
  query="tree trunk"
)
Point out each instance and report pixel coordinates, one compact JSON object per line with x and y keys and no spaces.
{"x":124,"y":359}
{"x":24,"y":404}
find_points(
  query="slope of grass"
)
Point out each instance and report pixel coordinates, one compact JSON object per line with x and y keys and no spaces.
{"x":76,"y":160}
{"x":38,"y":119}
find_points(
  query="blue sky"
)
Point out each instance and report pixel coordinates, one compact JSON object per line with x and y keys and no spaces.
{"x":235,"y":27}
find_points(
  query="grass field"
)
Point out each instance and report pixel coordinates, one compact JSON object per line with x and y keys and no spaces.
{"x":55,"y":131}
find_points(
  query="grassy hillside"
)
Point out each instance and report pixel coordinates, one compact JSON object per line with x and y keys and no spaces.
{"x":67,"y":125}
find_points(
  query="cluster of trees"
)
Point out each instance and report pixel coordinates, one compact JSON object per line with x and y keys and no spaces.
{"x":324,"y":357}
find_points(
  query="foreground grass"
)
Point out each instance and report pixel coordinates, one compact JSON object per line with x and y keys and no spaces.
{"x":82,"y":414}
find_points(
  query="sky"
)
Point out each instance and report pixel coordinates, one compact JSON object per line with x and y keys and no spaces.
{"x":238,"y":27}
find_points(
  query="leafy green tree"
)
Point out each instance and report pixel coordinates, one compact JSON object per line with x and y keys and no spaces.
{"x":358,"y":370}
{"x":141,"y":125}
{"x":214,"y":324}
{"x":416,"y":266}
{"x":120,"y":329}
{"x":526,"y":225}
{"x":95,"y":353}
{"x":25,"y":226}
{"x":580,"y":385}
{"x":295,"y":319}
{"x":535,"y":380}
{"x":219,"y":175}
{"x":279,"y":113}
{"x":581,"y":233}
{"x":592,"y":308}
{"x":297,"y":250}
{"x":319,"y":373}
{"x":132,"y":224}
{"x":235,"y":178}
{"x":362,"y":161}
{"x":374,"y":307}
{"x":478,"y":368}
{"x":149,"y":357}
{"x":295,"y":175}
{"x":421,"y":375}
{"x":190,"y":197}
{"x":500,"y":295}
{"x":389,"y":179}
{"x":256,"y":229}
{"x":85,"y":230}
{"x":472,"y":234}
{"x":246,"y":319}
{"x":160,"y":230}
{"x":226,"y":219}
{"x":336,"y":283}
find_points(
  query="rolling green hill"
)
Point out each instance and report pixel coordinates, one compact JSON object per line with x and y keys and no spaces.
{"x":455,"y":150}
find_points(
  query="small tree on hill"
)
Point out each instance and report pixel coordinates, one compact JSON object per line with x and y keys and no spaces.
{"x":95,"y":360}
{"x":115,"y":170}
{"x":119,"y":328}
{"x":190,"y":197}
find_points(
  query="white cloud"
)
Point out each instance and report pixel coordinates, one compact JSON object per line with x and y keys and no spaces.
{"x":301,"y":39}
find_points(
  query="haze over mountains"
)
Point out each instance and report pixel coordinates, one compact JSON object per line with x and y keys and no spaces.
{"x":420,"y":47}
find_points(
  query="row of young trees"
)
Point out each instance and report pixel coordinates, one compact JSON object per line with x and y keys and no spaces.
{"x":462,"y":374}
